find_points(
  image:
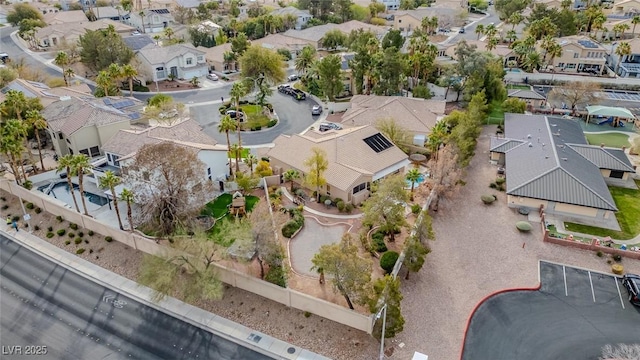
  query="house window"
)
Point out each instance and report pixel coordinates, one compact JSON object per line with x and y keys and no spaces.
{"x":68,"y":141}
{"x":360,"y":187}
{"x":571,"y":66}
{"x":616,"y":174}
{"x":84,"y":151}
{"x":60,"y":136}
{"x":561,"y":65}
{"x":328,"y":190}
{"x":189,"y":61}
{"x":95,"y":151}
{"x":109,"y":157}
{"x":575,"y":55}
{"x":114,"y":159}
{"x":200,"y":58}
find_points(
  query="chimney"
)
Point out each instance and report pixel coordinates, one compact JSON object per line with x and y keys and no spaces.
{"x":601,"y":145}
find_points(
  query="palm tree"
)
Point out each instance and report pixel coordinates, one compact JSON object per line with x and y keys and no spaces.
{"x":142,"y":14}
{"x":492,"y":43}
{"x":81,"y":164}
{"x":532,"y":62}
{"x":37,"y":122}
{"x":623,"y":49}
{"x":554,"y":52}
{"x":157,"y":38}
{"x":65,"y":163}
{"x":289,"y":176}
{"x":236,"y":150}
{"x":168,"y":32}
{"x":511,"y":36}
{"x":238,"y":91}
{"x":479,"y":30}
{"x":511,"y":64}
{"x":129,"y":72}
{"x":14,"y":103}
{"x":226,"y":125}
{"x":127,"y":196}
{"x":104,"y":81}
{"x":515,"y":19}
{"x":437,"y":137}
{"x":413,"y":175}
{"x":115,"y":71}
{"x":110,"y":180}
{"x":69,"y":74}
{"x":548,"y":42}
{"x":251,"y":160}
{"x":634,"y":21}
{"x":62,"y":60}
{"x":228,"y":58}
{"x":305,"y":59}
{"x":12,"y":145}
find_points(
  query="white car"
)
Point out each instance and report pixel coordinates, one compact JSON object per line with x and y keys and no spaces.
{"x":213,"y":77}
{"x":293,"y":77}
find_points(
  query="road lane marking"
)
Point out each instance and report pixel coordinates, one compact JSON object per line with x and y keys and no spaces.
{"x":564,"y":273}
{"x":592,"y":292}
{"x":619,"y":294}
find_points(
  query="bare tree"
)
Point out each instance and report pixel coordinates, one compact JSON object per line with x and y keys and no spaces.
{"x":445,"y":172}
{"x":576,"y":93}
{"x":169,"y":181}
{"x":264,"y":227}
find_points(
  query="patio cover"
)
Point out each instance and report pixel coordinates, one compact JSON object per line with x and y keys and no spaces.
{"x":599,"y":110}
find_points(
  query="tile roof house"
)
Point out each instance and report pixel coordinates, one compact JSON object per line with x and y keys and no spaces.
{"x":315,"y":34}
{"x":549,"y":163}
{"x":110,"y":12}
{"x":65,"y":17}
{"x":415,"y":115}
{"x":83,"y":125}
{"x":302,"y":16}
{"x":121,"y":149}
{"x":151,"y":20}
{"x":501,"y":51}
{"x":215,"y":58}
{"x":54,"y":35}
{"x":280,"y":41}
{"x":138,"y":42}
{"x":579,"y":54}
{"x":47,"y":95}
{"x":356,"y":156}
{"x":409,"y":20}
{"x":630,"y":64}
{"x":180,"y":60}
{"x":532,"y":98}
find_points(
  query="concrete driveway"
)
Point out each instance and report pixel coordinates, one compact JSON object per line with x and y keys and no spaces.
{"x":295,"y":117}
{"x":574,"y":314}
{"x":307,"y":243}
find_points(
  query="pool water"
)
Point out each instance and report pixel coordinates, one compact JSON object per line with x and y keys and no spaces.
{"x":415,"y":183}
{"x":514,"y":70}
{"x":61,"y":192}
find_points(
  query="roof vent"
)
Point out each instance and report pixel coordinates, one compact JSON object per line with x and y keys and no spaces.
{"x":546,"y":157}
{"x":529,"y":136}
{"x":564,"y":159}
{"x":530,"y":145}
{"x":65,"y":98}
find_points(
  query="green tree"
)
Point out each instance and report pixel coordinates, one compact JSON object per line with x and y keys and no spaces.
{"x":239,"y":44}
{"x":7,"y":75}
{"x":110,"y":181}
{"x":622,"y":50}
{"x":12,"y":145}
{"x":246,"y":182}
{"x":101,"y":48}
{"x":66,"y":163}
{"x":317,"y":164}
{"x":238,"y":91}
{"x":14,"y":104}
{"x":62,"y":60}
{"x":413,"y":175}
{"x":129,"y":73}
{"x":82,"y":166}
{"x":22,"y":12}
{"x":398,"y":135}
{"x":479,"y":30}
{"x":333,"y":39}
{"x":389,"y":70}
{"x":226,"y":125}
{"x":264,"y":67}
{"x":414,"y":254}
{"x":508,"y":7}
{"x":104,"y":82}
{"x":251,"y":160}
{"x":386,"y":290}
{"x":349,"y":273}
{"x":479,"y":4}
{"x":127,"y":196}
{"x":330,"y":76}
{"x":437,"y":138}
{"x":268,"y":249}
{"x":385,"y":207}
{"x":36,"y":121}
{"x":393,"y":38}
{"x":514,"y":106}
{"x":290,"y":175}
{"x":305,"y":59}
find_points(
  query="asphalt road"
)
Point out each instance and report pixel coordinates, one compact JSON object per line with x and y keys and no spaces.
{"x":44,"y":304}
{"x":572,"y":316}
{"x":295,"y":117}
{"x":16,"y":54}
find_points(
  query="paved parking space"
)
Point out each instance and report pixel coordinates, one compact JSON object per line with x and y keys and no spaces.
{"x":620,"y":95}
{"x":573,"y":315}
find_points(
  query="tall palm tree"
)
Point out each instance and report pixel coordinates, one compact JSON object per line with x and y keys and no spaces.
{"x":127,"y":196}
{"x":14,"y":104}
{"x":413,"y":175}
{"x":227,"y":124}
{"x":142,"y":15}
{"x":532,"y":61}
{"x":115,"y":72}
{"x":62,"y":60}
{"x":515,"y":19}
{"x":634,"y":21}
{"x":623,"y":49}
{"x":65,"y":163}
{"x":554,"y":52}
{"x":110,"y":180}
{"x":289,"y":176}
{"x":37,"y":122}
{"x":437,"y":137}
{"x":251,"y":160}
{"x":238,"y":91}
{"x":305,"y":59}
{"x":129,"y":72}
{"x":81,"y":164}
{"x":492,"y":42}
{"x":479,"y":30}
{"x":69,"y":74}
{"x":237,"y":153}
{"x":104,"y":81}
{"x":12,"y":145}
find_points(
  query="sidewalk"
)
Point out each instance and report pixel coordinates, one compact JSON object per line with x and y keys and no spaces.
{"x":193,"y":315}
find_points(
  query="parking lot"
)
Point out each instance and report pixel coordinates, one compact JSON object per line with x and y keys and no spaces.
{"x":620,"y":95}
{"x":572,"y":316}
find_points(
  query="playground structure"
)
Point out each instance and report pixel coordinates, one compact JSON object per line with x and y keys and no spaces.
{"x":238,"y":205}
{"x":614,"y":116}
{"x":615,"y":122}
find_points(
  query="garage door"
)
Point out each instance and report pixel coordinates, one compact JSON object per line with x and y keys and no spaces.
{"x":189,"y":74}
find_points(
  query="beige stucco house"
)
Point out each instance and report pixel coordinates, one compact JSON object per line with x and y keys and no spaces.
{"x":54,"y":35}
{"x":314,"y":35}
{"x":579,"y":54}
{"x":626,"y":7}
{"x":549,"y":163}
{"x":357,"y":156}
{"x":181,"y":61}
{"x":47,"y":95}
{"x":409,"y":20}
{"x":64,"y":17}
{"x":214,"y":57}
{"x":151,"y":20}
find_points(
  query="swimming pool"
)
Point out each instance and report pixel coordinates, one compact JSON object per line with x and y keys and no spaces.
{"x":415,"y":183}
{"x":60,"y":191}
{"x":514,"y":70}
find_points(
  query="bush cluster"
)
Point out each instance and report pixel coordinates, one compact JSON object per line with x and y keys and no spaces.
{"x":50,"y":228}
{"x":67,"y":242}
{"x":71,"y":235}
{"x":61,"y":232}
{"x":108,"y":239}
{"x":296,"y":222}
{"x":38,"y":210}
{"x":90,"y":233}
{"x":277,"y":276}
{"x":388,"y":261}
{"x":416,"y":208}
{"x":49,"y":235}
{"x":77,"y":241}
{"x":377,"y":242}
{"x":59,"y":218}
{"x":29,"y":206}
{"x":80,"y":251}
{"x":73,"y":226}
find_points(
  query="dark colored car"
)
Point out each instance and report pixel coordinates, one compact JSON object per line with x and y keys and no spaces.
{"x":233,"y":114}
{"x":632,"y":283}
{"x":285,"y":89}
{"x":461,"y":31}
{"x":298,"y":94}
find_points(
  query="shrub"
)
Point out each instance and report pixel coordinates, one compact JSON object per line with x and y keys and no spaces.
{"x":617,"y":258}
{"x":77,"y":241}
{"x":108,"y":239}
{"x":86,"y":241}
{"x":15,"y":218}
{"x":90,"y":251}
{"x":348,"y":208}
{"x":307,"y":314}
{"x":388,"y":261}
{"x":488,"y":199}
{"x":59,"y":218}
{"x":289,"y":229}
{"x":90,"y":232}
{"x":73,"y":226}
{"x":493,"y":185}
{"x":523,"y":226}
{"x":29,"y":206}
{"x":599,"y":254}
{"x":38,"y":210}
{"x":36,"y":228}
{"x":61,"y":232}
{"x":50,"y":228}
{"x":500,"y":181}
{"x":337,"y":200}
{"x":5,"y":207}
{"x":67,"y":242}
{"x":49,"y":235}
{"x":378,"y":21}
{"x":377,"y":240}
{"x":80,"y":251}
{"x":340,"y":205}
{"x":71,"y":235}
{"x":323,"y":198}
{"x":80,"y":234}
{"x":276,"y":275}
{"x":272,"y":123}
{"x":3,"y":198}
{"x":415,"y":208}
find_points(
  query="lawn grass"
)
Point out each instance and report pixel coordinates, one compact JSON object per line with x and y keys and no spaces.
{"x":519,"y":87}
{"x":615,"y":140}
{"x":243,"y":155}
{"x":218,"y":208}
{"x":628,"y":203}
{"x":496,"y":114}
{"x":251,"y":109}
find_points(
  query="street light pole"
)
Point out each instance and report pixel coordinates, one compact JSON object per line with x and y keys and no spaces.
{"x":25,"y":216}
{"x":383,"y":312}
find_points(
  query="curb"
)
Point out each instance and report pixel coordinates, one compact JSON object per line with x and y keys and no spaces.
{"x":466,"y":330}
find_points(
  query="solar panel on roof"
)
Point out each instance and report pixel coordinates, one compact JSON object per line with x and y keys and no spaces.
{"x":588,"y":44}
{"x":134,"y":116}
{"x":107,"y":101}
{"x":377,"y":142}
{"x":160,"y":11}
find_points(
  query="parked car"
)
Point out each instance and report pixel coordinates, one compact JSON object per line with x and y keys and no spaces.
{"x":288,"y":90}
{"x":326,"y":126}
{"x":234,"y":114}
{"x":213,"y":77}
{"x":293,"y":77}
{"x":285,"y":89}
{"x":4,"y":57}
{"x":316,"y":110}
{"x":461,"y":31}
{"x":632,"y":283}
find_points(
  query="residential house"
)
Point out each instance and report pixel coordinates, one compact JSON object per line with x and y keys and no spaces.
{"x":391,"y":5}
{"x":409,"y":20}
{"x":502,"y":51}
{"x":356,"y":157}
{"x":302,"y":16}
{"x":83,"y":125}
{"x":549,"y":163}
{"x":280,"y":41}
{"x":214,"y":57}
{"x":417,"y":116}
{"x":315,"y":34}
{"x":612,"y":23}
{"x":121,"y":149}
{"x":188,"y":4}
{"x":180,"y":61}
{"x":55,"y":35}
{"x":138,"y":42}
{"x":629,"y":66}
{"x":151,"y":20}
{"x":110,"y":12}
{"x":579,"y":54}
{"x":557,"y":4}
{"x":626,"y":7}
{"x":47,"y":95}
{"x":532,"y":98}
{"x":65,"y":17}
